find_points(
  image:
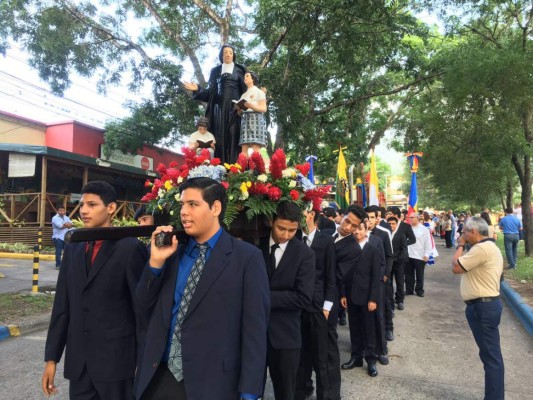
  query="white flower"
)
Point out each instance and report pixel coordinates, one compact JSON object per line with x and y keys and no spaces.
{"x":180,"y":179}
{"x":171,"y":212}
{"x":262,"y":178}
{"x":288,"y":173}
{"x":161,"y":193}
{"x":177,"y":197}
{"x":292,"y":184}
{"x":244,"y":195}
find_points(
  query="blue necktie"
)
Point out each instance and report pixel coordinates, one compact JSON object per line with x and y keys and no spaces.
{"x":175,"y":364}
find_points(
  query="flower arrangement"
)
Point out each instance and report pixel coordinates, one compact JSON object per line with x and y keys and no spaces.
{"x":250,"y":187}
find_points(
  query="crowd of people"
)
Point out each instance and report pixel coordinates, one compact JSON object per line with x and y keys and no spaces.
{"x":152,"y":322}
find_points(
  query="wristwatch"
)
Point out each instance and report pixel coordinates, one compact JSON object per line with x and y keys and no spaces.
{"x":461,"y":245}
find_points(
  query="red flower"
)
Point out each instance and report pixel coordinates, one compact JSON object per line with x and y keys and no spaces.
{"x":148,"y":183}
{"x":316,"y":195}
{"x":259,"y":163}
{"x":295,"y":195}
{"x":161,"y":168}
{"x":205,"y":154}
{"x":173,"y":173}
{"x":173,"y":164}
{"x":148,"y":197}
{"x":259,"y":188}
{"x":225,"y":184}
{"x":274,"y":193}
{"x":234,"y":170}
{"x":242,"y":160}
{"x":215,"y":161}
{"x":303,"y":168}
{"x":278,"y":163}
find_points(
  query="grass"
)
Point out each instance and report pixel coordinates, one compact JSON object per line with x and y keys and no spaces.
{"x":524,"y":265}
{"x":16,"y":306}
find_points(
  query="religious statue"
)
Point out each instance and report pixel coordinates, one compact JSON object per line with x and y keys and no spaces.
{"x":226,"y":83}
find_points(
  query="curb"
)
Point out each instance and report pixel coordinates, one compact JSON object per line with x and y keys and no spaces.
{"x":22,"y":256}
{"x":522,"y":310}
{"x":25,"y":327}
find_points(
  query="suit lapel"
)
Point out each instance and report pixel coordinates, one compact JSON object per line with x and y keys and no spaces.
{"x":108,"y":247}
{"x":218,"y":260}
{"x":78,"y":269}
{"x":288,"y":255}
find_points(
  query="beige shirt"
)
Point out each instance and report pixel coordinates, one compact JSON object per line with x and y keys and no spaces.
{"x":484,"y":266}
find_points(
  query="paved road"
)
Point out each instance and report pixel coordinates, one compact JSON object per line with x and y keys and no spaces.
{"x":19,"y":274}
{"x":433,"y":356}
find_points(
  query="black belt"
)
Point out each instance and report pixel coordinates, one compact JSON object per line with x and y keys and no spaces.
{"x":482,"y":300}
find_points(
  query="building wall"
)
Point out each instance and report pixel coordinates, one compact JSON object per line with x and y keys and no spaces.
{"x":14,"y":131}
{"x":60,"y":137}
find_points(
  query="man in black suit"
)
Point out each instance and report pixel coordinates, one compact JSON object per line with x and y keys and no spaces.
{"x":291,"y":269}
{"x":398,"y":274}
{"x":206,"y":308}
{"x":347,"y":251}
{"x":93,"y":314}
{"x":314,"y":318}
{"x":361,"y":296}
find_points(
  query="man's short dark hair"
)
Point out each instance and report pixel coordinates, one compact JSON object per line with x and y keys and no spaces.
{"x":372,"y":209}
{"x":508,"y":210}
{"x":329,"y":212}
{"x":391,"y":218}
{"x":211,"y":190}
{"x":102,"y":189}
{"x":58,"y":206}
{"x":382,"y":211}
{"x":289,"y":211}
{"x":358,"y":211}
{"x":141,"y":212}
{"x":395,"y":211}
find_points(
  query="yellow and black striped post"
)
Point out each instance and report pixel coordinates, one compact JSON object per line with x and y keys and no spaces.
{"x":35,"y":283}
{"x":40,"y":239}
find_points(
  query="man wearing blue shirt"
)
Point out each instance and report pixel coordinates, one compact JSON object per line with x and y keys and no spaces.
{"x":511,"y":227}
{"x":204,"y":307}
{"x":60,"y":225}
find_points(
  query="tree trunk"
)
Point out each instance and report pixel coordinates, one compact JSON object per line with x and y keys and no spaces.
{"x":526,"y":207}
{"x":509,"y":194}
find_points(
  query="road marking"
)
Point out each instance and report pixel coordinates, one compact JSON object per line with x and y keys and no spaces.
{"x":36,"y":338}
{"x":8,"y":265}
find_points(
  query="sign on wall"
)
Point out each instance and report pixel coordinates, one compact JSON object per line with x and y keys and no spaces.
{"x":133,"y":160}
{"x":21,"y":165}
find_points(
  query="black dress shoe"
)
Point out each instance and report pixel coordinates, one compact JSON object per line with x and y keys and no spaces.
{"x":342,"y":321}
{"x":372,"y":370}
{"x":352,"y":363}
{"x":400,"y":305}
{"x":383,"y":359}
{"x":389,"y":335}
{"x":420,"y":294}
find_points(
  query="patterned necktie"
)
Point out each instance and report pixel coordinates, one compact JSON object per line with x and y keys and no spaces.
{"x":175,"y":364}
{"x":272,"y":266}
{"x":307,"y":241}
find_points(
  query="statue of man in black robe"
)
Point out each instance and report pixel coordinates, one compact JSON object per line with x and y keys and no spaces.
{"x":226,"y":83}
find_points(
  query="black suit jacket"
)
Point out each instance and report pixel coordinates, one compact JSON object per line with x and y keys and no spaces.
{"x":407,"y":230}
{"x":291,"y":290}
{"x":399,"y":248}
{"x":348,"y":252}
{"x":93,"y":316}
{"x":387,"y":247}
{"x":325,"y":276}
{"x":223,"y":334}
{"x":363,"y":281}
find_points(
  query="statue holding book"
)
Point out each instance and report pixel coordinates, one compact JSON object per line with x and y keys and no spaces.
{"x":202,"y":138}
{"x":226,"y":83}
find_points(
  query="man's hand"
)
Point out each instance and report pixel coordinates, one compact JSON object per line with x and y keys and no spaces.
{"x":326,"y":313}
{"x":344,"y":302}
{"x":158,"y":255}
{"x":49,"y":373}
{"x":461,"y":241}
{"x":385,"y":277}
{"x":372,"y":306}
{"x":193,"y":87}
{"x":426,"y":259}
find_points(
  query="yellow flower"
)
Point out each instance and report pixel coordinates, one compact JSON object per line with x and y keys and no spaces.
{"x":288,"y":173}
{"x":168,"y":185}
{"x":171,"y":212}
{"x":244,"y":186}
{"x":159,"y":206}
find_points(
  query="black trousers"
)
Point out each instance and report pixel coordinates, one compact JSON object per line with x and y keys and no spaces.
{"x":362,"y":331}
{"x":380,"y":322}
{"x":388,"y":293}
{"x":313,"y":355}
{"x":448,"y":239}
{"x":414,"y":272}
{"x":164,"y":386}
{"x":283,"y":367}
{"x":398,"y":275}
{"x":86,"y":389}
